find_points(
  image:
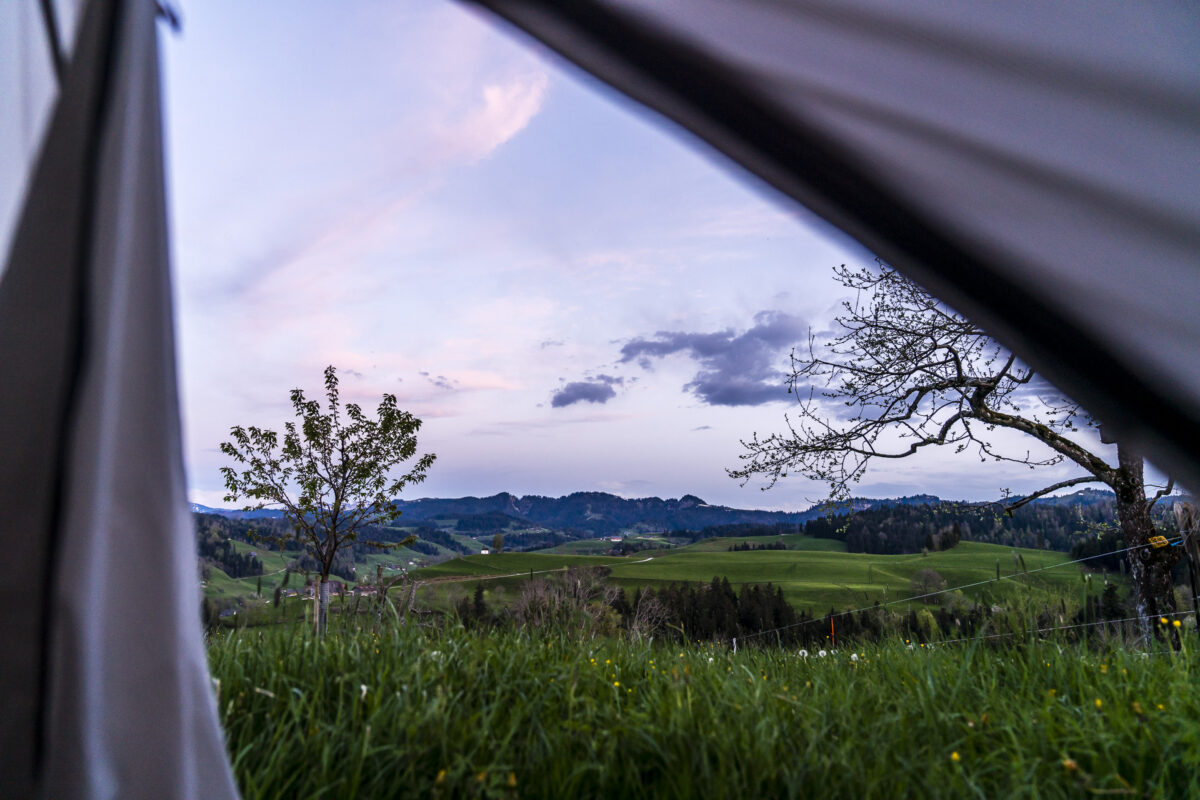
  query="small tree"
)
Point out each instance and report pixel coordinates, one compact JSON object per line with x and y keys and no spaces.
{"x":927,"y":581}
{"x":901,"y":372}
{"x":330,"y":476}
{"x":498,"y":542}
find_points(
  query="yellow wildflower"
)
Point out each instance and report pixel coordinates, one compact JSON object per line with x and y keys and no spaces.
{"x":1099,"y":702}
{"x":441,"y":776}
{"x":512,"y":780}
{"x":1069,"y":764}
{"x":955,"y":757}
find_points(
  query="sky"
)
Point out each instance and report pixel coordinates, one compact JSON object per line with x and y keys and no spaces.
{"x":571,"y":294}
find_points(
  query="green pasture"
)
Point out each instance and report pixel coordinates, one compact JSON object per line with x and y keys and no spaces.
{"x":516,"y":564}
{"x":815,"y":576}
{"x":582,"y":547}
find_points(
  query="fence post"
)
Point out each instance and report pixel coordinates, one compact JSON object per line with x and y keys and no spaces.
{"x":1185,"y":515}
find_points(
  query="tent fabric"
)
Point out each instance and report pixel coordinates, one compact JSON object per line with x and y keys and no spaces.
{"x":105,"y":685}
{"x":36,"y":40}
{"x":1033,"y":164}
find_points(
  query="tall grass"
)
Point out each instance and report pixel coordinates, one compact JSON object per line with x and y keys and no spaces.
{"x":424,"y":713}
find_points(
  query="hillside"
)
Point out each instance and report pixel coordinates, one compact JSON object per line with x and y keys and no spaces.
{"x":814,"y":574}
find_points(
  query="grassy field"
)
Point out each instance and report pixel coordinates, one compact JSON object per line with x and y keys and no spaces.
{"x":445,"y":713}
{"x":816,"y":575}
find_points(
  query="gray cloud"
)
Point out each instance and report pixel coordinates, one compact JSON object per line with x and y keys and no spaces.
{"x":550,"y":343}
{"x":440,"y":381}
{"x":736,"y":369}
{"x":593,"y":390}
{"x":703,"y":428}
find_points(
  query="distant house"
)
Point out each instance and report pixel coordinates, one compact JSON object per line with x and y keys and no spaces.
{"x":483,"y":552}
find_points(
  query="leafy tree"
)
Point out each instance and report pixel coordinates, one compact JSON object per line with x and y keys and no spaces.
{"x":498,"y":542}
{"x":901,"y":372}
{"x":330,"y":473}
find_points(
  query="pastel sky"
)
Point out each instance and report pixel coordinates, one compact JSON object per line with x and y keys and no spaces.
{"x":570,"y":294}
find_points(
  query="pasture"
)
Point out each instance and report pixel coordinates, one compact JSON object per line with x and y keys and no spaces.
{"x":816,"y":575}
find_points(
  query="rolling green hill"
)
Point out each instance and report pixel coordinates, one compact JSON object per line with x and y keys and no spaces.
{"x":815,"y":575}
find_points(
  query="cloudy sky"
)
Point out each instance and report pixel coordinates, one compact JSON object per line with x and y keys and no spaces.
{"x":571,"y":295}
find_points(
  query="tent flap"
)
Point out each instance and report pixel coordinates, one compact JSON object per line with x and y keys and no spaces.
{"x":1031,"y":164}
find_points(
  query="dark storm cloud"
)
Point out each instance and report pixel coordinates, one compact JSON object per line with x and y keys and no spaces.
{"x":736,"y":369}
{"x":593,"y":390}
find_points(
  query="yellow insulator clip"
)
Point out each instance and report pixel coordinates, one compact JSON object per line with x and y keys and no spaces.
{"x":1158,"y":541}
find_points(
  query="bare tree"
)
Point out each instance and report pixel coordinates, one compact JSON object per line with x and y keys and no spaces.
{"x":650,"y":616}
{"x":927,"y":581}
{"x":901,"y":372}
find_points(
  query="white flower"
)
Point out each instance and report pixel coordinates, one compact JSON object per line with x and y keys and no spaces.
{"x":803,"y":654}
{"x":854,"y":656}
{"x":363,"y":687}
{"x":710,"y":659}
{"x":822,"y":653}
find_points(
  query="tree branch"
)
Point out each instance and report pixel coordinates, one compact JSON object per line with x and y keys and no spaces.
{"x":1011,"y":507}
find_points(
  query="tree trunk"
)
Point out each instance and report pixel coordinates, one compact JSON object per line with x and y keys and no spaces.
{"x":1149,"y":567}
{"x":321,"y":608}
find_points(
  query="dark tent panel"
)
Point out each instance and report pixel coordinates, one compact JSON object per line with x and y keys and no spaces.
{"x":1033,"y":164}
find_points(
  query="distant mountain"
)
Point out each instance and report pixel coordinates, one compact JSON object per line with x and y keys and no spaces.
{"x":600,"y":513}
{"x":234,"y":513}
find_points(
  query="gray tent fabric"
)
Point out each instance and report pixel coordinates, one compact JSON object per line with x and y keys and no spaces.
{"x":1034,"y":164}
{"x":105,"y":684}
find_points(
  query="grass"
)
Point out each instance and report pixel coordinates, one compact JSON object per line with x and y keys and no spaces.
{"x":447,"y":713}
{"x":510,"y":564}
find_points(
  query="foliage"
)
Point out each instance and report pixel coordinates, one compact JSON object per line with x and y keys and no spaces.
{"x":434,"y":713}
{"x":489,"y":522}
{"x":331,"y":475}
{"x":220,"y":552}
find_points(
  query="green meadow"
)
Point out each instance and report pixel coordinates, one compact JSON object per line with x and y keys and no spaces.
{"x":441,"y":712}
